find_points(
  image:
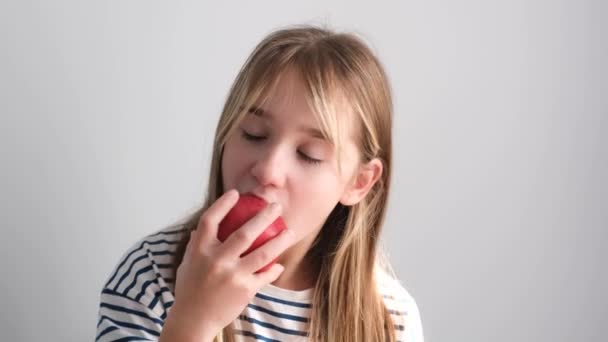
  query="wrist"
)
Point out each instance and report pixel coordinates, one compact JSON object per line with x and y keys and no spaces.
{"x":180,"y":327}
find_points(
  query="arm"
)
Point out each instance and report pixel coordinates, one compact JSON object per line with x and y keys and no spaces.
{"x":120,"y":316}
{"x":413,"y":324}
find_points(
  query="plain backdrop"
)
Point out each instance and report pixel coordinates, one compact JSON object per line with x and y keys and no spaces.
{"x":498,"y":220}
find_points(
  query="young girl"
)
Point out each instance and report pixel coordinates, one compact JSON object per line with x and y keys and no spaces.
{"x":306,"y":127}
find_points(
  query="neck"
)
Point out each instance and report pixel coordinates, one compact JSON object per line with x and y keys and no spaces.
{"x":300,"y":273}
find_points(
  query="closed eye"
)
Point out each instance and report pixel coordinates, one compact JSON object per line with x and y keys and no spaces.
{"x":259,"y":139}
{"x":251,"y":137}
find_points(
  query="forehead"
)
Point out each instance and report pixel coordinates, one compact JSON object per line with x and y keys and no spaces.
{"x":289,"y":97}
{"x":267,"y":115}
{"x":290,"y":102}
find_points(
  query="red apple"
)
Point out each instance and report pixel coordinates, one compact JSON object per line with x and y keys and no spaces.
{"x":246,"y":208}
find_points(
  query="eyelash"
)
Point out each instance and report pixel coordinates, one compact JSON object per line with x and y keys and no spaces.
{"x":257,"y":139}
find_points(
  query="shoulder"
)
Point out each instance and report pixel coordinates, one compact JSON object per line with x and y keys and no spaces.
{"x":138,"y":293}
{"x":144,"y":272}
{"x":402,"y":307}
{"x":151,"y":255}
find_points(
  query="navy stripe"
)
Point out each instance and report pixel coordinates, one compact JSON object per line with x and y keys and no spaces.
{"x":156,"y":253}
{"x":167,"y":305}
{"x":144,"y":270}
{"x":131,"y":325}
{"x":397,"y":313}
{"x":137,"y":250}
{"x":144,"y":288}
{"x":170,"y":232}
{"x":130,"y":311}
{"x":118,"y":294}
{"x":272,"y":326}
{"x":153,"y":302}
{"x":401,"y":300}
{"x":134,"y":281}
{"x":131,"y":338}
{"x":163,"y":290}
{"x":395,"y":326}
{"x":105,"y":331}
{"x":278,"y":314}
{"x":157,"y":296}
{"x":126,"y":274}
{"x":256,"y":336}
{"x":282,"y":301}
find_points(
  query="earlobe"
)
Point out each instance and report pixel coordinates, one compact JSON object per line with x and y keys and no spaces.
{"x":366,"y":177}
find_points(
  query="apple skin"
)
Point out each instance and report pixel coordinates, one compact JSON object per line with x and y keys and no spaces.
{"x":246,"y":208}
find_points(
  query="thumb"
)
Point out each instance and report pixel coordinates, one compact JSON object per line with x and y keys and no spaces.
{"x":269,"y":276}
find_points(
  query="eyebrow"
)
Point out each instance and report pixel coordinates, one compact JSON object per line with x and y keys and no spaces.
{"x":262,"y":113}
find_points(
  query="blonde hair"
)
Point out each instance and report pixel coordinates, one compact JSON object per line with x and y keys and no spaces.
{"x":332,"y":66}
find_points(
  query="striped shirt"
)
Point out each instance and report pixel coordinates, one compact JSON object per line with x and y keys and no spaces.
{"x":138,"y":296}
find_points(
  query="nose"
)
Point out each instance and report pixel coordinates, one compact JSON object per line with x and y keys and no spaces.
{"x":270,"y":168}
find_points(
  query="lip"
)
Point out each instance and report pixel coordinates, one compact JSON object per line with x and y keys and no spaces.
{"x":250,"y":193}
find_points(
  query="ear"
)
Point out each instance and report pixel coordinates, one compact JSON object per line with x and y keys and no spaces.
{"x":362,"y":181}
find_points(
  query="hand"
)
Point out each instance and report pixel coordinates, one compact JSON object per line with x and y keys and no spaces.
{"x":214,"y":283}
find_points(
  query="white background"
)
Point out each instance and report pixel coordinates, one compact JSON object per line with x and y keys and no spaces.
{"x":498,"y":224}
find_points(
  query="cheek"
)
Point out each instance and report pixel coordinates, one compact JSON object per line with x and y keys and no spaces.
{"x":233,"y":164}
{"x":315,"y":199}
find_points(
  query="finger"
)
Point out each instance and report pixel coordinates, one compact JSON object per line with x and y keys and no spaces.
{"x":264,"y":278}
{"x":270,"y":250}
{"x":211,"y":218}
{"x":239,"y":241}
{"x":192,"y":240}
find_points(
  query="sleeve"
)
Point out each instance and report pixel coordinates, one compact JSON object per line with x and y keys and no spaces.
{"x":412,"y":324}
{"x":130,"y":307}
{"x":402,"y":308}
{"x":121,"y":318}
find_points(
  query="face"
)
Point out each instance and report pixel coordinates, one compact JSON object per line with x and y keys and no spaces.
{"x":278,"y":153}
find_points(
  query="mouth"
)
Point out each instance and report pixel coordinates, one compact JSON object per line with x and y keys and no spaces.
{"x":255,"y":195}
{"x":265,"y":196}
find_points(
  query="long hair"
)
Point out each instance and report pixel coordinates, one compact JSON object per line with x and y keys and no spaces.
{"x":346,"y":303}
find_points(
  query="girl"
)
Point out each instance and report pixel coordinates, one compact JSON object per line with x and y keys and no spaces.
{"x":306,"y":127}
